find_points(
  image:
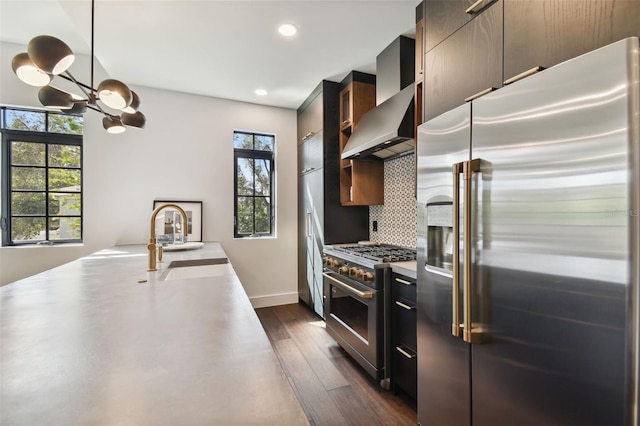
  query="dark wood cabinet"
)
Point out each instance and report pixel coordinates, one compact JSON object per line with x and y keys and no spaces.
{"x":311,"y":153}
{"x":547,"y":32}
{"x":311,"y":117}
{"x":321,"y":217}
{"x":404,"y":353}
{"x":361,"y":181}
{"x":444,"y":17}
{"x":466,"y":63}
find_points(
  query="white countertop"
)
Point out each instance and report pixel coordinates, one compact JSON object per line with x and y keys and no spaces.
{"x":86,"y":343}
{"x":407,"y":268}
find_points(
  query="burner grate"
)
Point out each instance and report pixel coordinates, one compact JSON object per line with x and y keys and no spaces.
{"x":379,"y":253}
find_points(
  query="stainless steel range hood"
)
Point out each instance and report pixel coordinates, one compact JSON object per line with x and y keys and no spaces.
{"x":385,"y":131}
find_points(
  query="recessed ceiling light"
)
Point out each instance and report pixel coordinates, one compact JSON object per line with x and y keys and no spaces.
{"x":261,"y":92}
{"x":287,"y":30}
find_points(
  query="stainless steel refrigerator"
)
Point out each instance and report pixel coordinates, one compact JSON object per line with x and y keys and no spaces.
{"x":528,"y":234}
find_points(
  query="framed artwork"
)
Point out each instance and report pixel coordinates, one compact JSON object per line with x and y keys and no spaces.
{"x":169,"y":221}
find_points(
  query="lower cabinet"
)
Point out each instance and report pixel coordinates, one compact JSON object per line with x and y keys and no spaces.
{"x":404,"y":353}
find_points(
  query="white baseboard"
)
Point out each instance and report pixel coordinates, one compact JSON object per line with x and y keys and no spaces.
{"x":274,"y":300}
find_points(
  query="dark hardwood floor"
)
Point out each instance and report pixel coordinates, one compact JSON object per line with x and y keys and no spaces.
{"x":331,"y":387}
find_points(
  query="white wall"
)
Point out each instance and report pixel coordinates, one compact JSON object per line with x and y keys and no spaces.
{"x":184,"y":153}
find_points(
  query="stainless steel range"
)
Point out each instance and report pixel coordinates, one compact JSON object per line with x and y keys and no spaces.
{"x":356,"y":291}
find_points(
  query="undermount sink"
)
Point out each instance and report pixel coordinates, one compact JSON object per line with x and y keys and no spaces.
{"x":186,"y":269}
{"x":186,"y":246}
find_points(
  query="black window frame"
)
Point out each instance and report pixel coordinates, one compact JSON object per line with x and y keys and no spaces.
{"x":48,"y":139}
{"x":254,"y":154}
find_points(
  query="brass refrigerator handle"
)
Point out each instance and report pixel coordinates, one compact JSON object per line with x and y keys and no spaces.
{"x":455,"y":288}
{"x":470,"y":167}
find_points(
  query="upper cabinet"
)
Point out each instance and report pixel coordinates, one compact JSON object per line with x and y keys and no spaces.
{"x":310,"y":118}
{"x":356,"y":98}
{"x":475,"y":46}
{"x":543,"y":33}
{"x":444,"y":17}
{"x":361,"y":181}
{"x":465,"y":64}
{"x":311,"y":153}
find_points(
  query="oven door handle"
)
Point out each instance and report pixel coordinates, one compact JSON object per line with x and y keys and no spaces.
{"x":348,"y":288}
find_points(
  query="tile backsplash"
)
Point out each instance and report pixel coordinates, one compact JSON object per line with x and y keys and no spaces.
{"x":397,"y":217}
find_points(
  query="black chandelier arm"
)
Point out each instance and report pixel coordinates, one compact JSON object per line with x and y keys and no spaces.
{"x":98,"y":109}
{"x":81,"y":85}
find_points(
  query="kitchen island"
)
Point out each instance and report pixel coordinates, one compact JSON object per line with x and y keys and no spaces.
{"x":100,"y":341}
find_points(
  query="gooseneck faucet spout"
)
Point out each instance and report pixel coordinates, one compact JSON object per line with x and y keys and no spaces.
{"x":151,"y":247}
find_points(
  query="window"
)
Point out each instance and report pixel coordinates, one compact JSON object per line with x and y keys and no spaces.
{"x":41,"y":177}
{"x":254,"y":184}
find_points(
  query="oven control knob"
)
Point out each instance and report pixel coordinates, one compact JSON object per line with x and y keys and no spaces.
{"x":353,"y":271}
{"x":335,"y":263}
{"x":368,"y":277}
{"x":326,"y":260}
{"x":359,"y":273}
{"x":343,"y":270}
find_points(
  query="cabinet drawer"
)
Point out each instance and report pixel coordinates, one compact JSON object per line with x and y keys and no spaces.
{"x":405,"y":324}
{"x":403,"y":288}
{"x":405,"y":368}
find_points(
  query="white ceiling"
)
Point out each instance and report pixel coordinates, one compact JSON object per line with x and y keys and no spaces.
{"x":225,"y":49}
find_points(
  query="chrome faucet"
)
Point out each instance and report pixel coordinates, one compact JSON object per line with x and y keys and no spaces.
{"x":151,"y":247}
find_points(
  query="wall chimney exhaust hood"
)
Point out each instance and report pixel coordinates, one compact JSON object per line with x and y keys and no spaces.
{"x":385,"y":131}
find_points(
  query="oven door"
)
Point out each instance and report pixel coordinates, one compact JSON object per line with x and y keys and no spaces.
{"x":354,"y":318}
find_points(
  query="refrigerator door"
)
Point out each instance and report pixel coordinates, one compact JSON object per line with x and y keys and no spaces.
{"x":443,"y":363}
{"x":557,"y":227}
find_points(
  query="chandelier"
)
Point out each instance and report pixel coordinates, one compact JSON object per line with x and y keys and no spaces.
{"x":48,"y":57}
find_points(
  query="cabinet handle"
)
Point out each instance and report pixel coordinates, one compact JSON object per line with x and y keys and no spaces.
{"x":481,"y":93}
{"x":522,"y":75}
{"x":404,"y":306}
{"x":308,"y":224}
{"x":474,"y":7}
{"x":405,"y":282}
{"x":307,"y":136}
{"x":405,"y":353}
{"x":307,"y":170}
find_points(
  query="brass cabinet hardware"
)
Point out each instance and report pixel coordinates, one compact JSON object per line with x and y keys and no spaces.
{"x":405,"y":282}
{"x":476,"y":6}
{"x":522,"y":75}
{"x":405,"y":353}
{"x":480,"y":93}
{"x":404,"y":306}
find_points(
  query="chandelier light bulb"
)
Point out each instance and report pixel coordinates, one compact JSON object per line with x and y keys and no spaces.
{"x":28,"y":72}
{"x":113,"y":125}
{"x":135,"y":103}
{"x":115,"y":94}
{"x":50,"y":54}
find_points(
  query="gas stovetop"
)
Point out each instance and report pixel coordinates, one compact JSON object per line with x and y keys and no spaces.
{"x":380,"y":253}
